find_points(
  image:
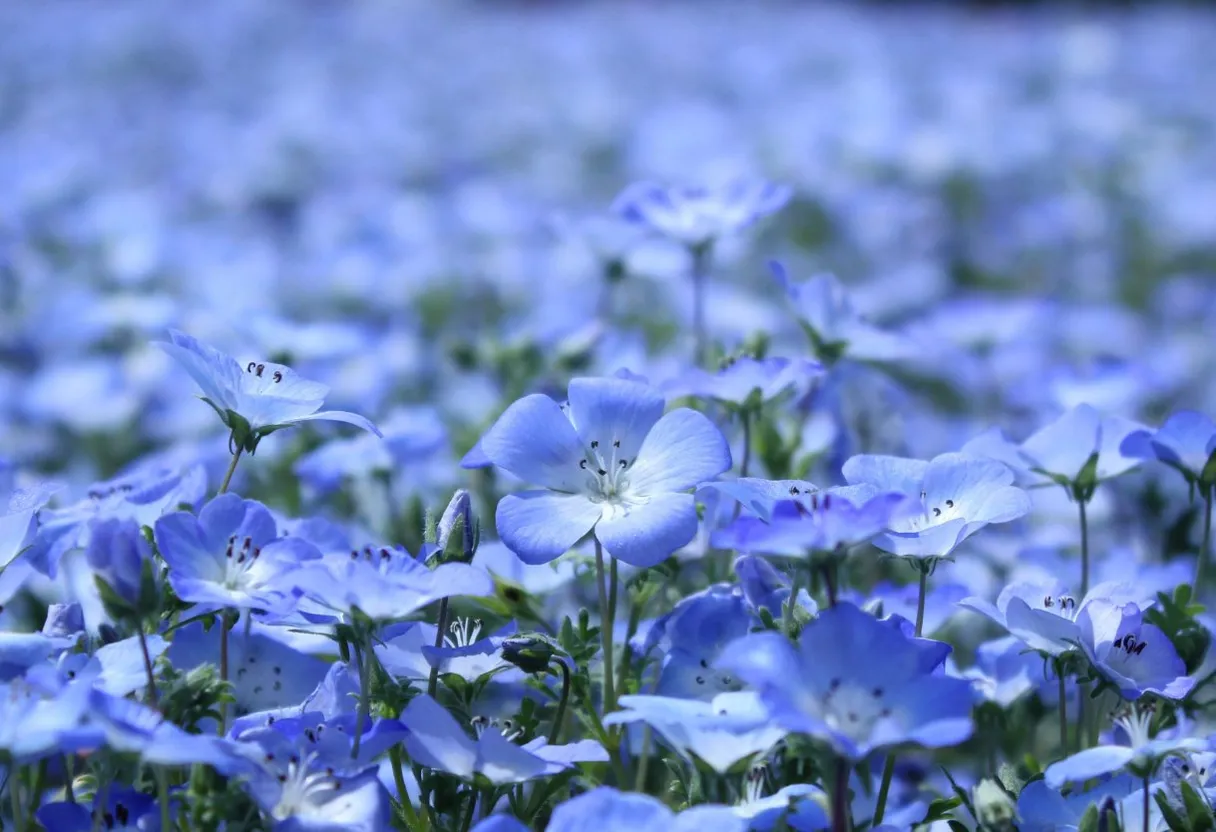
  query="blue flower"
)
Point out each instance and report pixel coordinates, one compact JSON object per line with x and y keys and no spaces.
{"x":604,"y":809}
{"x":118,"y":553}
{"x":694,"y":634}
{"x":761,"y":496}
{"x":124,"y":808}
{"x":1004,"y":671}
{"x":383,"y":584}
{"x":959,"y":495}
{"x":1044,"y":615}
{"x":130,"y":727}
{"x":766,"y":588}
{"x":834,"y":327}
{"x":116,"y":668}
{"x":741,"y":381}
{"x":820,"y":688}
{"x":611,"y":462}
{"x":1043,"y":809}
{"x":1186,"y":442}
{"x":1140,"y":755}
{"x":1132,"y":653}
{"x":266,"y":396}
{"x":834,"y":520}
{"x":697,"y":215}
{"x":18,"y":519}
{"x":230,"y":556}
{"x":721,"y":732}
{"x":941,"y":601}
{"x":40,"y":715}
{"x":437,"y":741}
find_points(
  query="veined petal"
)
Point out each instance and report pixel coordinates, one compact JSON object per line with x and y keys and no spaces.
{"x":179,"y":537}
{"x":887,"y":473}
{"x":611,"y":410}
{"x":534,"y":440}
{"x":1087,"y":764}
{"x":683,"y":450}
{"x":216,"y":374}
{"x":539,"y":526}
{"x":342,"y":416}
{"x":436,"y":740}
{"x":647,"y":533}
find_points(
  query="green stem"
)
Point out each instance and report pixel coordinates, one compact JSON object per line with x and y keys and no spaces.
{"x":1084,"y":549}
{"x":224,"y":628}
{"x":560,"y":717}
{"x":162,"y":797}
{"x":14,"y":796}
{"x":1063,"y":710}
{"x":700,"y":273}
{"x":880,"y":808}
{"x":432,"y":682}
{"x":1147,"y":804}
{"x":236,"y":457}
{"x":69,"y":775}
{"x":829,"y":579}
{"x":920,"y":600}
{"x":746,"y":418}
{"x":840,"y":797}
{"x":607,"y":618}
{"x":791,"y":624}
{"x":1204,"y":548}
{"x":468,"y":817}
{"x":143,"y":646}
{"x":365,"y":694}
{"x":407,"y":805}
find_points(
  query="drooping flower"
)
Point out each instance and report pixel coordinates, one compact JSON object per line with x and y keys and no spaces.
{"x":959,"y":495}
{"x":821,"y":689}
{"x":1132,"y":653}
{"x":1004,"y":671}
{"x":698,"y":215}
{"x":257,"y":398}
{"x":1185,"y":442}
{"x":611,"y":462}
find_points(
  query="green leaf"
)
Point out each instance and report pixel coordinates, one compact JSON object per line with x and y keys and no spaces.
{"x":941,"y":809}
{"x":1089,"y":821}
{"x":1198,"y":813}
{"x":1174,"y":820}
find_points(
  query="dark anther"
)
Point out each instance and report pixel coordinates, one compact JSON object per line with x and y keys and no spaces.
{"x":595,"y":443}
{"x":1047,"y":602}
{"x":249,"y":368}
{"x":949,"y":503}
{"x":616,"y":443}
{"x":282,"y":778}
{"x":1186,"y":769}
{"x":278,"y":376}
{"x":794,"y":490}
{"x":330,"y":771}
{"x":601,"y":471}
{"x":704,"y":663}
{"x":582,"y":463}
{"x":1139,"y":648}
{"x":385,"y":554}
{"x":270,"y":720}
{"x":624,"y":463}
{"x":877,"y":693}
{"x":827,"y":501}
{"x":700,"y":680}
{"x":122,"y":814}
{"x":261,"y":369}
{"x":937,"y":512}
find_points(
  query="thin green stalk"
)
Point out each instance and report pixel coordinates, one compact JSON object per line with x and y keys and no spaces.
{"x":840,"y":797}
{"x":224,"y":627}
{"x":1084,"y":548}
{"x":880,"y":808}
{"x":143,"y":646}
{"x":432,"y":682}
{"x":920,"y":600}
{"x":746,"y":418}
{"x":700,"y":273}
{"x":829,"y":578}
{"x":468,"y":817}
{"x":365,"y":694}
{"x":1147,"y":804}
{"x":560,"y":717}
{"x":162,"y":797}
{"x":407,"y":805}
{"x":607,"y":618}
{"x":1063,"y":711}
{"x":69,"y":775}
{"x":1205,"y":547}
{"x":236,"y":457}
{"x":14,"y":797}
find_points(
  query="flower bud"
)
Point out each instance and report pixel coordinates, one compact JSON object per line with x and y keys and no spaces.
{"x":457,"y":532}
{"x":530,"y":653}
{"x":121,"y":558}
{"x":993,"y":807}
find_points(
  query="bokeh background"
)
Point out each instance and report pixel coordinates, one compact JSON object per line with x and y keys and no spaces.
{"x":398,"y":198}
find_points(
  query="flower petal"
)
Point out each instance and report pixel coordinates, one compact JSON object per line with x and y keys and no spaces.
{"x":539,"y":526}
{"x":683,"y":450}
{"x":534,"y":440}
{"x":645,"y":534}
{"x":611,"y":410}
{"x":342,"y":416}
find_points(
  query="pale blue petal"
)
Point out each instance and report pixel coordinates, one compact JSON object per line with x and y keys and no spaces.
{"x":1065,"y":445}
{"x":887,"y":473}
{"x":1087,"y":764}
{"x":683,"y":450}
{"x":534,"y":440}
{"x":540,"y":526}
{"x":342,"y":416}
{"x":608,"y":410}
{"x":645,"y":534}
{"x":436,"y":740}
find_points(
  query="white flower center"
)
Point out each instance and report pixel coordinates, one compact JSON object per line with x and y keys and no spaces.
{"x":464,"y":631}
{"x":1137,"y":722}
{"x":237,"y":562}
{"x":753,"y":784}
{"x":506,"y":727}
{"x":853,"y":710}
{"x":606,"y":472}
{"x":933,"y":513}
{"x":302,"y":786}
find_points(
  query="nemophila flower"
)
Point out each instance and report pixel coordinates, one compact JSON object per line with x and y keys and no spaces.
{"x":437,"y":740}
{"x":130,"y":727}
{"x":383,"y":584}
{"x":693,"y":635}
{"x":819,"y":688}
{"x":831,"y":523}
{"x":766,"y":588}
{"x":230,"y":555}
{"x":466,"y":653}
{"x":835,"y":328}
{"x":1130,"y":652}
{"x":1042,"y":808}
{"x":116,"y":668}
{"x":43,"y":714}
{"x":1142,"y":751}
{"x":761,"y":496}
{"x":800,"y":804}
{"x":611,"y":462}
{"x":1044,"y":616}
{"x":18,"y":520}
{"x":257,"y":398}
{"x":534,"y":579}
{"x":1186,"y":442}
{"x":698,"y":215}
{"x":21,"y":651}
{"x":120,"y":809}
{"x":745,"y":381}
{"x":940,"y":605}
{"x":121,"y":559}
{"x":730,"y":728}
{"x":959,"y":496}
{"x":605,"y":809}
{"x":1004,"y":671}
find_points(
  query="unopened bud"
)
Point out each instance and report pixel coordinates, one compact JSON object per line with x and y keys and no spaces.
{"x":993,"y":807}
{"x":530,"y":653}
{"x":457,"y":533}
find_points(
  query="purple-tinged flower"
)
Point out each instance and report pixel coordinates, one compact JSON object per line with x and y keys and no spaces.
{"x":820,"y":688}
{"x":698,"y":215}
{"x":264,"y":396}
{"x":1141,"y":753}
{"x":761,"y":496}
{"x":1186,"y":442}
{"x":1044,"y":616}
{"x":119,"y":807}
{"x":959,"y":495}
{"x":832,"y":522}
{"x":605,"y":809}
{"x":766,"y":588}
{"x":721,"y":732}
{"x":230,"y":556}
{"x":1132,"y":653}
{"x":693,"y":635}
{"x":835,"y":328}
{"x":437,"y":740}
{"x":130,"y":727}
{"x":611,"y":462}
{"x":744,"y":381}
